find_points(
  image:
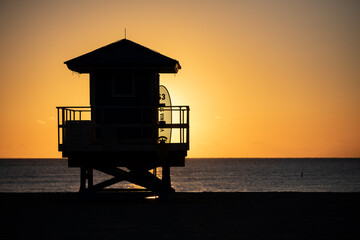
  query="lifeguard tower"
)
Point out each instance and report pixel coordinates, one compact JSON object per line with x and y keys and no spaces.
{"x":130,"y":128}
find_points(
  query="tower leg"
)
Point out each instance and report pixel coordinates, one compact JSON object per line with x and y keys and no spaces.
{"x":86,"y":175}
{"x":166,"y":177}
{"x":166,"y":182}
{"x":82,"y":179}
{"x":90,"y":177}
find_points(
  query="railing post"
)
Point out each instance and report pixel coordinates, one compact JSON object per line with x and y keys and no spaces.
{"x":188,"y":126}
{"x":58,"y":121}
{"x":181,"y":125}
{"x":141,"y":125}
{"x":63,"y":124}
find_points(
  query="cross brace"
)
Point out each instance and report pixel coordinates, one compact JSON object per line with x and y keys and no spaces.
{"x":138,"y":176}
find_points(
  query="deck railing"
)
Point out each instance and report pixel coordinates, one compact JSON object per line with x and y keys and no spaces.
{"x":81,"y":117}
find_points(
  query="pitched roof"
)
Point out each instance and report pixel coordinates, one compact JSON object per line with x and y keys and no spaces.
{"x":123,"y":55}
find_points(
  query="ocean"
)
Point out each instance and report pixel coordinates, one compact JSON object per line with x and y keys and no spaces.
{"x":199,"y":175}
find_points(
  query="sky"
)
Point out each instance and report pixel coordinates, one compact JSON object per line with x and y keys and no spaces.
{"x":263,"y":78}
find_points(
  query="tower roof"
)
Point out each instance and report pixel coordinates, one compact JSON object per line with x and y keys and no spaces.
{"x":123,"y":55}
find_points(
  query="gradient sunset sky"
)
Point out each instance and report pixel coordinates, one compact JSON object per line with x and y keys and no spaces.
{"x":271,"y":78}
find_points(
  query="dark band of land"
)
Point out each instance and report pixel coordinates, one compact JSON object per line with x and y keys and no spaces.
{"x":184,"y":216}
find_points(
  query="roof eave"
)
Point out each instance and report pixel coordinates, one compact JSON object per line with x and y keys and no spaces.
{"x":88,"y":69}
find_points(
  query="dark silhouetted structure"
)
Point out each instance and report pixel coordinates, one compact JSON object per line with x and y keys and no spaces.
{"x":121,"y":133}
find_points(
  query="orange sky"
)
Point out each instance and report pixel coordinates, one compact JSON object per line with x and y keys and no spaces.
{"x":262,"y":78}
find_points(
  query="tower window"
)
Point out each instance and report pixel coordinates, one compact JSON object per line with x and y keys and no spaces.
{"x":123,"y":85}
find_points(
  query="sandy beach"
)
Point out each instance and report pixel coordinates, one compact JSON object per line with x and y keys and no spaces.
{"x":185,"y":216}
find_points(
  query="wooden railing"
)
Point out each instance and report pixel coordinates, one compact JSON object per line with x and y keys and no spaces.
{"x":73,"y":117}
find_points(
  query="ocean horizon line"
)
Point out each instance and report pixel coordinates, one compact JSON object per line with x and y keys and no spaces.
{"x":188,"y":158}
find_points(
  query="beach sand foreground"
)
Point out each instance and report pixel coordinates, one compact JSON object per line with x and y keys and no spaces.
{"x":185,"y":216}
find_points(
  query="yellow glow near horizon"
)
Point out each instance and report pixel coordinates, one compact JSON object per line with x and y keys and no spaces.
{"x":262,"y":78}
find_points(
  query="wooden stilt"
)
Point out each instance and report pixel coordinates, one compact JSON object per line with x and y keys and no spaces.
{"x":86,"y":178}
{"x":166,"y":182}
{"x":82,"y":179}
{"x":90,"y":177}
{"x":163,"y":150}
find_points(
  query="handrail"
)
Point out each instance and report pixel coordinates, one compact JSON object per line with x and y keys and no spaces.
{"x":82,"y":114}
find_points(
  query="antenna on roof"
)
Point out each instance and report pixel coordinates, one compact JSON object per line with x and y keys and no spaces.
{"x":125,"y":33}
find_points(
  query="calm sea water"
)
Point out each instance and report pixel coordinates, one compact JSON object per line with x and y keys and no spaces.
{"x":199,"y":175}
